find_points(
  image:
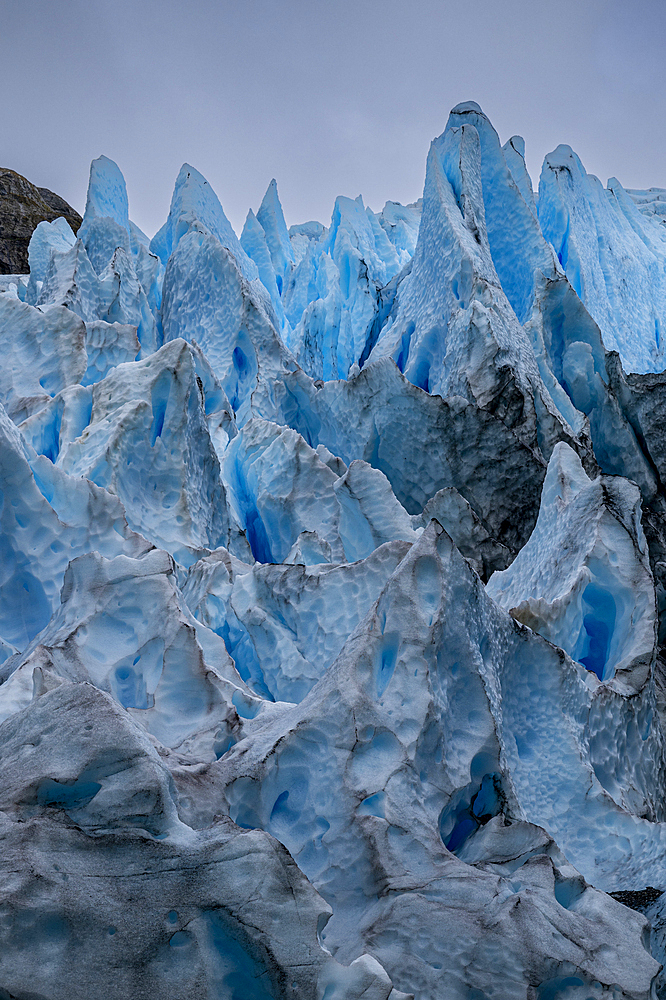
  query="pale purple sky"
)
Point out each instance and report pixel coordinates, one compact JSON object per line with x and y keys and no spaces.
{"x":330,"y":98}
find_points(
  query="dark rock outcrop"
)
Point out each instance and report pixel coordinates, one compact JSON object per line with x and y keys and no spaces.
{"x":22,"y":207}
{"x":637,"y":899}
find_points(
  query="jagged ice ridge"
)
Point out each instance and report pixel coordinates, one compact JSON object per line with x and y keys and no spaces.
{"x":333,"y":594}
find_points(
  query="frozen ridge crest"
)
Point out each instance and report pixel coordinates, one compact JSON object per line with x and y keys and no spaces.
{"x":333,"y":593}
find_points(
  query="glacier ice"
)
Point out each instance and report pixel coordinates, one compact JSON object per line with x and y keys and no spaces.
{"x":271,"y":219}
{"x":206,"y":298}
{"x":147,"y":440}
{"x":613,"y":256}
{"x":48,"y":236}
{"x":460,"y":445}
{"x":71,"y":281}
{"x":401,"y":225}
{"x":253,"y":241}
{"x":285,"y":624}
{"x":47,"y":519}
{"x":281,"y":489}
{"x":451,"y":330}
{"x":333,"y":300}
{"x":113,"y":295}
{"x":43,"y":353}
{"x":583,"y":579}
{"x":333,"y":593}
{"x":650,"y":202}
{"x":107,"y":195}
{"x":428,"y":748}
{"x":204,"y":925}
{"x":195,"y":203}
{"x":157,"y":665}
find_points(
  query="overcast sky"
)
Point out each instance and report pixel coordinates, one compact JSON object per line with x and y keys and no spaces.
{"x":335,"y":97}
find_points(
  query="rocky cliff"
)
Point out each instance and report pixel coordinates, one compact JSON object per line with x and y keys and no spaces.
{"x":22,"y":207}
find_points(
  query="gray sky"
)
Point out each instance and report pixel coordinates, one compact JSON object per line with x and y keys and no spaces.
{"x":339,"y":97}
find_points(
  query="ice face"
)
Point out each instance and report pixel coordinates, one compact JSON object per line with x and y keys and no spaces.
{"x":452,"y":330}
{"x":333,"y":594}
{"x":334,"y":300}
{"x":147,"y":441}
{"x":43,"y":352}
{"x":108,"y":345}
{"x":154,"y":663}
{"x":211,"y":931}
{"x":123,"y":300}
{"x":271,"y":219}
{"x":71,"y":281}
{"x":516,"y":243}
{"x":583,"y":580}
{"x":650,"y":202}
{"x":46,"y":237}
{"x":563,"y":340}
{"x":414,"y":792}
{"x":253,"y":241}
{"x":115,"y":295}
{"x":281,"y":489}
{"x":370,"y":417}
{"x":195,"y":201}
{"x":611,"y":254}
{"x":514,"y":154}
{"x":206,"y":297}
{"x":107,"y":195}
{"x":47,"y":519}
{"x":401,"y":225}
{"x":284,"y":625}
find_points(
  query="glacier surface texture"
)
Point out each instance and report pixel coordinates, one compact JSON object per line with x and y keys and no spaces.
{"x":333,"y":594}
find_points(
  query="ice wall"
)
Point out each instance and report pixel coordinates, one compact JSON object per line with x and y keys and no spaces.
{"x":333,"y":593}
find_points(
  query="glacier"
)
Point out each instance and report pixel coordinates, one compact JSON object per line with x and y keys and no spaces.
{"x":333,"y":593}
